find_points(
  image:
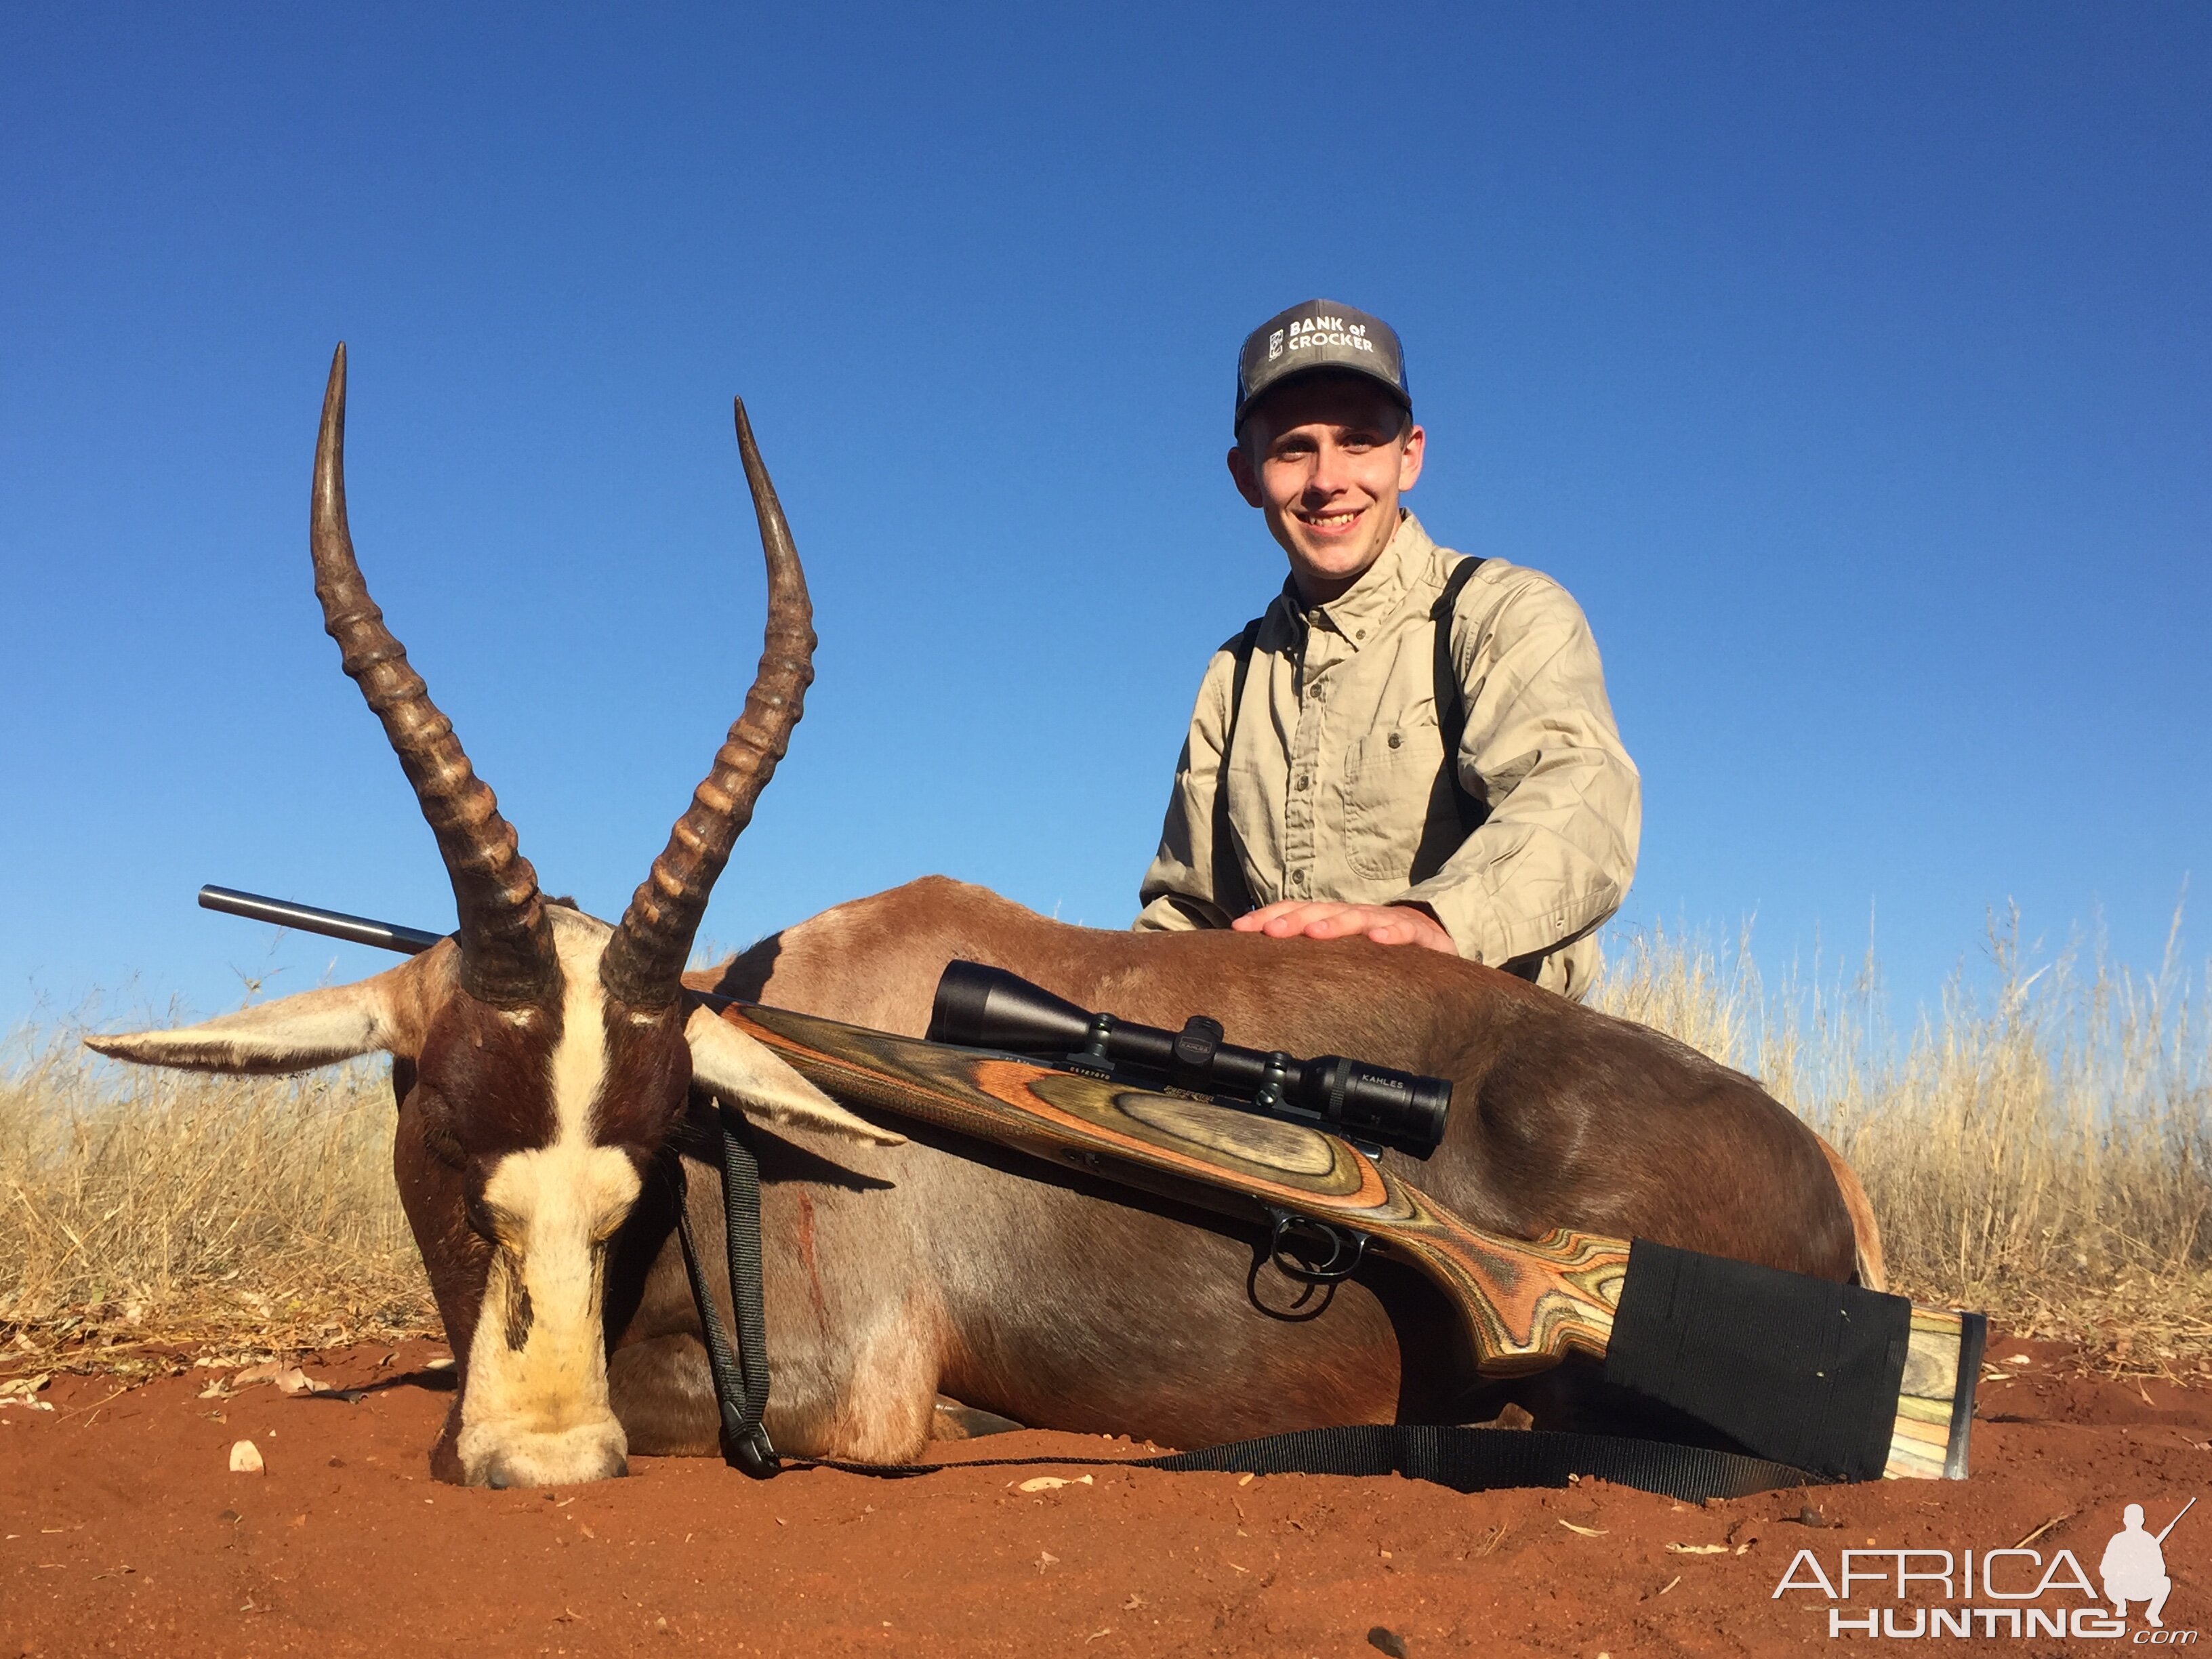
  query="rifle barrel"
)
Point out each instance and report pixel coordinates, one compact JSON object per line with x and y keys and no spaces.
{"x":309,"y":919}
{"x":2176,"y":1521}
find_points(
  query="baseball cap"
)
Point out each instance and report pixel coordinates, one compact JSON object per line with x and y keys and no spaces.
{"x":1317,"y":335}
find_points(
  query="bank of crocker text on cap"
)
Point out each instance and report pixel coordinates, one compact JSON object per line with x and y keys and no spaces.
{"x":1319,"y":334}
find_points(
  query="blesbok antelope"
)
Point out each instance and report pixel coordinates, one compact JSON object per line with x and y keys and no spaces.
{"x":544,"y":1064}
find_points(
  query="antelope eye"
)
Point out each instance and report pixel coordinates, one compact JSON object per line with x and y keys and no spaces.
{"x":479,"y":1218}
{"x":438,"y":1137}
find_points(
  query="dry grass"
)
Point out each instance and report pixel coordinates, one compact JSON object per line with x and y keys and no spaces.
{"x":147,"y":1213}
{"x":2040,"y":1150}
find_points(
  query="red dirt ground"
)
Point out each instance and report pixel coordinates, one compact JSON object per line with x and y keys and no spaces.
{"x":125,"y":1533}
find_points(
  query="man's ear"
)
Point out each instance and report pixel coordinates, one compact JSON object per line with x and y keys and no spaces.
{"x":745,"y":1073}
{"x":1247,"y":481}
{"x":1410,"y":458}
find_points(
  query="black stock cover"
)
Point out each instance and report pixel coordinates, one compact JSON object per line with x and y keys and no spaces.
{"x":1806,"y":1371}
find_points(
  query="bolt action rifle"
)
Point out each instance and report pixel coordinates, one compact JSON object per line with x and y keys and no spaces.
{"x":1836,"y":1380}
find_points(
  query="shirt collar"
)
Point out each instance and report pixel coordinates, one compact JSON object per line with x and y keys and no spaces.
{"x":1357,"y":612}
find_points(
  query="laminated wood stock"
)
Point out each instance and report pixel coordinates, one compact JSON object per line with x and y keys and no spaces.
{"x":1527,"y":1303}
{"x":1530,"y":1303}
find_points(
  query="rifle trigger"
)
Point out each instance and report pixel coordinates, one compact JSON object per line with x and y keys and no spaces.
{"x":1306,"y":1237}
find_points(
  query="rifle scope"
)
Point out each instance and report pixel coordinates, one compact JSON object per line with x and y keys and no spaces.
{"x":981,"y":1008}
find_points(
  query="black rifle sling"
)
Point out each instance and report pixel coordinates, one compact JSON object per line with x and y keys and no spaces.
{"x":741,"y":1380}
{"x":1465,"y":1460}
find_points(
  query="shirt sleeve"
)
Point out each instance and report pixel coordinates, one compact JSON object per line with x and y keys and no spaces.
{"x":1177,"y":892}
{"x":1555,"y":857}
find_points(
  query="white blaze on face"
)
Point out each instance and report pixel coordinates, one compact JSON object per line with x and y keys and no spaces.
{"x":534,"y":1412}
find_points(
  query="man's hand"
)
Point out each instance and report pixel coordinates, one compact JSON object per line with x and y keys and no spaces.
{"x":1386,"y":924}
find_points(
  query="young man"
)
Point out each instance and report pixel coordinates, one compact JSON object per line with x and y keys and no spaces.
{"x":1340,"y":816}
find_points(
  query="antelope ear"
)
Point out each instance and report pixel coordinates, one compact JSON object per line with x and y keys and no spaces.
{"x":299,"y":1033}
{"x":294,"y":1034}
{"x":744,"y":1073}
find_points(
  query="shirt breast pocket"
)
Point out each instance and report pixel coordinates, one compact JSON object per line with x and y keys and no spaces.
{"x":1389,"y":776}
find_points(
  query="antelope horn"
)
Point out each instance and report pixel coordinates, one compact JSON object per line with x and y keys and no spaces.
{"x":506,"y":947}
{"x":646,"y":957}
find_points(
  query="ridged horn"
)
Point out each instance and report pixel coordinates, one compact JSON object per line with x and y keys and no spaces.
{"x":646,"y":956}
{"x":507,"y":946}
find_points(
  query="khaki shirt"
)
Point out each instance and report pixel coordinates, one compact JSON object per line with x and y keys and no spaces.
{"x":1337,"y":751}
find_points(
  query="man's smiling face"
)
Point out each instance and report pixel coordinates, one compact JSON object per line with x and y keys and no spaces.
{"x":1325,"y":459}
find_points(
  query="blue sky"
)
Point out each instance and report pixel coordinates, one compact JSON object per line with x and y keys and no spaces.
{"x":1852,"y":365}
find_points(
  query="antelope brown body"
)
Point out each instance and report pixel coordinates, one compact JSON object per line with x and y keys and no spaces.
{"x":549,"y":1070}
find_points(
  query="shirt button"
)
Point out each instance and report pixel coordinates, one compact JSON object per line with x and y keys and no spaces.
{"x":1302,"y":780}
{"x":1397,"y":737}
